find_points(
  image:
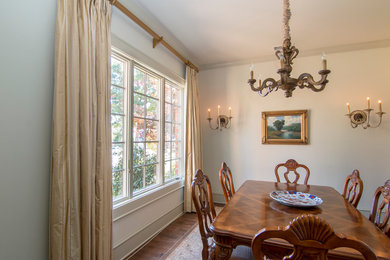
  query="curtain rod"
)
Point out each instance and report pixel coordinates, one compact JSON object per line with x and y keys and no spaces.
{"x":156,"y":38}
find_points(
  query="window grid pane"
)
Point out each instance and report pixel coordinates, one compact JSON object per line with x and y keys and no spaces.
{"x":138,"y":178}
{"x":146,"y":129}
{"x":117,"y":71}
{"x":139,"y":81}
{"x":173,"y":126}
{"x":118,"y":128}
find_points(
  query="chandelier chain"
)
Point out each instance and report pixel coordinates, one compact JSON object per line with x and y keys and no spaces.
{"x":286,"y":19}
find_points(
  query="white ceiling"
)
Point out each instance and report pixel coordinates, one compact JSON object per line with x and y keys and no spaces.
{"x":216,"y":32}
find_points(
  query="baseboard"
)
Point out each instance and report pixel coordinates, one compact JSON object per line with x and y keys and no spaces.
{"x":365,"y":213}
{"x":132,"y":245}
{"x":219,"y":198}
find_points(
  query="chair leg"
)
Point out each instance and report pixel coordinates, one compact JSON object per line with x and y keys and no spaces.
{"x":205,"y":250}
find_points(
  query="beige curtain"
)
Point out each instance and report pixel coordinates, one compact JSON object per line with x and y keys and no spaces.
{"x":193,"y":160}
{"x":80,"y":194}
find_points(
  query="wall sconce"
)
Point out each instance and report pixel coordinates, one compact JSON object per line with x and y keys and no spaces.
{"x":223,"y":121}
{"x":362,"y":117}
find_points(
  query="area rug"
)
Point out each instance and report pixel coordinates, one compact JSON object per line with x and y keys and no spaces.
{"x":191,"y":246}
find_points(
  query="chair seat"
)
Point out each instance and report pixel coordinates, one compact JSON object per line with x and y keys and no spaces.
{"x":242,"y":253}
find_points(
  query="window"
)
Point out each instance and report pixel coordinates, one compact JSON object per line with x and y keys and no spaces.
{"x":147,"y":128}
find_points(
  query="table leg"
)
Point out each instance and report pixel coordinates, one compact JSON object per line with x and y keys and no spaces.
{"x":220,"y":250}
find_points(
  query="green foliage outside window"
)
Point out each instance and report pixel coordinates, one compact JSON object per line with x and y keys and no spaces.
{"x":117,"y":184}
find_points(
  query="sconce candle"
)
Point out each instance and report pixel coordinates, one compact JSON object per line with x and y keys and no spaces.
{"x":230,"y":112}
{"x":208,"y":112}
{"x":380,"y":106}
{"x":219,"y":107}
{"x":348,"y":109}
{"x":368,"y":103}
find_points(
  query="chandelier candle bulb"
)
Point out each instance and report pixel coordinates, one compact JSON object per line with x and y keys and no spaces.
{"x":348,"y":109}
{"x":208,"y":113}
{"x":251,"y":70}
{"x":368,"y":103}
{"x":324,"y":65}
{"x":259,"y":79}
{"x":380,"y":106}
{"x":230,"y":112}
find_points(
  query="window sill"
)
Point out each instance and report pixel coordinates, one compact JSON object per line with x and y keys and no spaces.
{"x":129,"y":206}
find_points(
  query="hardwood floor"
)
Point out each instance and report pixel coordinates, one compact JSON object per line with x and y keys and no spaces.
{"x":165,"y":242}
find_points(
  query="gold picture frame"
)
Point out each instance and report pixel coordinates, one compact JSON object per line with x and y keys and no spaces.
{"x":275,"y":129}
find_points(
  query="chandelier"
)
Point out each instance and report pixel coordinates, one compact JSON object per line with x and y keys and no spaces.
{"x":286,"y":54}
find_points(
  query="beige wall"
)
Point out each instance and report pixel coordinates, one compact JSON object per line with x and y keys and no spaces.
{"x":335,"y":149}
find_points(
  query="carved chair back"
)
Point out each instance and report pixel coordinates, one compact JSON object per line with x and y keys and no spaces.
{"x":226,"y":179}
{"x":292,"y":166}
{"x":203,"y":201}
{"x":311,"y":237}
{"x":353,"y":188}
{"x":380,"y":215}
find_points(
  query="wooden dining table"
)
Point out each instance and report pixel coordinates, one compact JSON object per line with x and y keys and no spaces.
{"x":252,"y":209}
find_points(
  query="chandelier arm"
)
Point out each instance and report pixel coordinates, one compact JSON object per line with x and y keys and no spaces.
{"x":261,"y":94}
{"x":268,"y":85}
{"x":307,"y":80}
{"x":251,"y":83}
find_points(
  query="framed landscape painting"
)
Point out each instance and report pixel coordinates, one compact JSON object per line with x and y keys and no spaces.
{"x":284,"y":127}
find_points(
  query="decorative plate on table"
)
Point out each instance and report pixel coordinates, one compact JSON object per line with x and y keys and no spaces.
{"x":295,"y":198}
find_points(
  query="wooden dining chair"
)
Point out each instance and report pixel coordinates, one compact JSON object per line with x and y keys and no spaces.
{"x":226,"y":179}
{"x":292,"y":166}
{"x":380,"y":215}
{"x":311,"y":237}
{"x":203,"y":201}
{"x":353,"y":188}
